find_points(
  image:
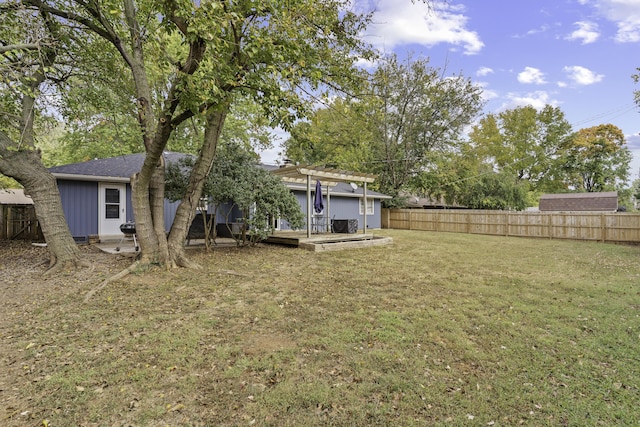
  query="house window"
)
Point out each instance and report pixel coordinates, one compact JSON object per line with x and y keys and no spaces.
{"x":112,"y":203}
{"x":369,"y":206}
{"x":203,"y":205}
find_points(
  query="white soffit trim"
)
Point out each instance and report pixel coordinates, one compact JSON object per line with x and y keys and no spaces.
{"x":76,"y":177}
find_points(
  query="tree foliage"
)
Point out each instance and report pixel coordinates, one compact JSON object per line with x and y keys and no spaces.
{"x":417,"y":113}
{"x":405,"y":117}
{"x":597,"y":159}
{"x":35,"y":51}
{"x":237,"y":179}
{"x":494,"y":191}
{"x":526,"y":143}
{"x":336,"y":136}
{"x":186,"y":60}
{"x":462,"y":178}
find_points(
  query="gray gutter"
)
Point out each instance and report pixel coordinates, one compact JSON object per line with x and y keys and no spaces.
{"x":94,"y":178}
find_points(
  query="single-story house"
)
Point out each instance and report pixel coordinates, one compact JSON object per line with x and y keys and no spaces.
{"x":96,"y":197}
{"x":590,"y":202}
{"x":415,"y":202}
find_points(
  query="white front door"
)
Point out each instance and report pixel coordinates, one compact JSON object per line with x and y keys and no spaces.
{"x":112,"y":209}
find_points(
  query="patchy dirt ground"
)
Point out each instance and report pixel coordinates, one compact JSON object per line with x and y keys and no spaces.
{"x":25,"y":288}
{"x":23,"y":277}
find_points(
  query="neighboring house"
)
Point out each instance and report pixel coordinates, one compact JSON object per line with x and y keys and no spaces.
{"x":17,"y":216}
{"x":590,"y":202}
{"x":96,"y":197}
{"x":414,"y":202}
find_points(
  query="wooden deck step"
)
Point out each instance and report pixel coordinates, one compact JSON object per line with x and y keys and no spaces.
{"x":328,"y":241}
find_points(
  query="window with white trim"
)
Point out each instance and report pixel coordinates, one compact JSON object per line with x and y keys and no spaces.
{"x":369,"y":206}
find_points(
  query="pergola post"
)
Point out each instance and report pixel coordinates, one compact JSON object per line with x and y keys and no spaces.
{"x":309,"y":206}
{"x":327,"y":177}
{"x":364,"y":225}
{"x":327,"y":220}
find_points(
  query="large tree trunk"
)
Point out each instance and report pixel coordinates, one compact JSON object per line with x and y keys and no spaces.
{"x":26,"y":167}
{"x":189,"y":203}
{"x":156,"y":189}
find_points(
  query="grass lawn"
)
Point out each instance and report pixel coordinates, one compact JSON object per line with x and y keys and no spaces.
{"x":448,"y":329}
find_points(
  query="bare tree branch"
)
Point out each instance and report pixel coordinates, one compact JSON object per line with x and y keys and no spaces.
{"x":11,"y":47}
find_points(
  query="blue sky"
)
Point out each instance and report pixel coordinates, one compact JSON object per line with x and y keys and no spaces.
{"x":578,"y":55}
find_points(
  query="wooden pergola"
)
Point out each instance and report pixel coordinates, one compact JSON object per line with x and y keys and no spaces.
{"x":304,"y":174}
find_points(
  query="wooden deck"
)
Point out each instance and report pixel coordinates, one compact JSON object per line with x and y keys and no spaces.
{"x":327,"y":241}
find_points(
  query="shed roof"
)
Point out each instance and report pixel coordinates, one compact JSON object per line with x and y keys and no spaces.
{"x":595,"y":202}
{"x":14,"y":196}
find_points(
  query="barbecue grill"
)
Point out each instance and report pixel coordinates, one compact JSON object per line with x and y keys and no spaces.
{"x":128,"y":230}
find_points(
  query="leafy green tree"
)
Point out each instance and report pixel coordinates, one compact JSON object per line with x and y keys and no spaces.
{"x":417,"y":115}
{"x":494,"y":191}
{"x":597,"y":159}
{"x":6,"y":182}
{"x":526,"y":143}
{"x":237,"y":178}
{"x":187,"y":60}
{"x":35,"y":50}
{"x":336,"y":136}
{"x":97,"y":136}
{"x":462,"y":178}
{"x":402,"y":121}
{"x":98,"y":117}
{"x":635,"y":194}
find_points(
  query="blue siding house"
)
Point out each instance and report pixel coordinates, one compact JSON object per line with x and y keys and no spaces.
{"x":96,"y":198}
{"x":96,"y":195}
{"x":344,"y":203}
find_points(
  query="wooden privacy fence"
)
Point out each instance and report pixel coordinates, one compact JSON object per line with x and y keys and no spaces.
{"x":595,"y":226}
{"x":19,"y":222}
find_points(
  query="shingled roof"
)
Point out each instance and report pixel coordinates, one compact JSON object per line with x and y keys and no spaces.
{"x":592,"y":202}
{"x":118,"y":168}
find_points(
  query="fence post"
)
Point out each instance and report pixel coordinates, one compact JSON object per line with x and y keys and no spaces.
{"x":603,"y":228}
{"x":468,"y":223}
{"x":507,"y":222}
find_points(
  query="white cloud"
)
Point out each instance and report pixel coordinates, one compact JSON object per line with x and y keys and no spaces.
{"x":628,"y":32}
{"x":487,"y":94}
{"x":633,"y":141}
{"x":366,"y":63}
{"x":531,"y":75}
{"x":582,"y":76}
{"x":484,"y":71}
{"x":398,"y":23}
{"x":537,"y":100}
{"x":626,"y":15}
{"x":542,"y":29}
{"x":587,"y":32}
